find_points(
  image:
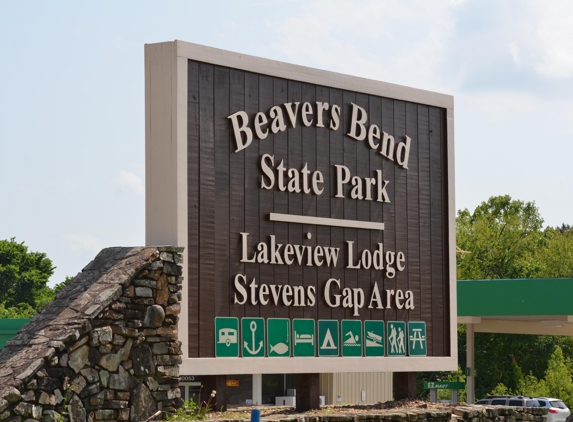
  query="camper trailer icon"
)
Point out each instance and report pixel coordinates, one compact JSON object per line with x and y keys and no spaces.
{"x":227,"y":336}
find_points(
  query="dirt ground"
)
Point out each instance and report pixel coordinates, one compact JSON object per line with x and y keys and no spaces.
{"x":281,"y":412}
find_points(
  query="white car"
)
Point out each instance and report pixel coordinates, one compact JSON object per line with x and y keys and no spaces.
{"x":557,"y":411}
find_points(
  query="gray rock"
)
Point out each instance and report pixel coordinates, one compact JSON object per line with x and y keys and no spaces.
{"x":143,"y":292}
{"x":30,"y":370}
{"x":64,"y":359}
{"x":90,"y":390}
{"x":155,"y":265}
{"x":78,"y":384}
{"x":104,"y":414}
{"x":90,"y":374}
{"x":110,"y":362}
{"x":168,"y":371}
{"x":172,"y":269}
{"x":47,"y":399}
{"x":154,"y":316}
{"x":29,"y":396}
{"x":99,"y":336}
{"x":118,"y":340}
{"x":160,"y":348}
{"x":167,"y":360}
{"x":58,"y":396}
{"x":143,"y":405}
{"x":123,"y":415}
{"x":145,"y":283}
{"x":152,"y":383}
{"x":24,"y":409}
{"x":76,"y":410}
{"x":104,"y":349}
{"x":166,"y":256}
{"x":125,"y":350}
{"x":162,"y":293}
{"x":51,"y":416}
{"x":120,"y":381}
{"x":11,"y":395}
{"x":36,"y":412}
{"x":143,"y":360}
{"x":3,"y":405}
{"x":104,"y":377}
{"x":79,"y":358}
{"x":174,"y":309}
{"x":4,"y":415}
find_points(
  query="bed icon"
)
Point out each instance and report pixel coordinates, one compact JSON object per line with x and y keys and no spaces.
{"x":303,"y":338}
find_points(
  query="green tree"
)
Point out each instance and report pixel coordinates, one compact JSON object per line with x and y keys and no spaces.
{"x":558,"y":377}
{"x":498,"y":240}
{"x":556,"y":258}
{"x":24,"y":275}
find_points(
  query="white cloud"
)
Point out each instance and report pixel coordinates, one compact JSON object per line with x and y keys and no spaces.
{"x":82,"y":243}
{"x":399,"y":42}
{"x":514,"y":53}
{"x":119,"y":43}
{"x":499,"y":106}
{"x":553,"y":35}
{"x":130,"y":182}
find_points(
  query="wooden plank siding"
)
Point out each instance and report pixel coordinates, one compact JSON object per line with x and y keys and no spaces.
{"x":226,"y":199}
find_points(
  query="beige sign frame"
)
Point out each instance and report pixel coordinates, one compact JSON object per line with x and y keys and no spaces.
{"x":166,"y":190}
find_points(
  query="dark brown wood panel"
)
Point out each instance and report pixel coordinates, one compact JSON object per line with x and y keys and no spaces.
{"x":309,"y":273}
{"x":266,"y":196}
{"x":207,"y":287}
{"x":400,"y":204}
{"x":363,"y":213}
{"x":413,"y":252}
{"x":294,"y":160}
{"x":425,"y":222}
{"x":252,"y":189}
{"x":436,"y":174}
{"x":350,"y":235}
{"x":336,"y":204}
{"x":223,"y":297}
{"x":281,"y":205}
{"x":389,"y":212}
{"x":193,"y":206}
{"x":323,"y":203}
{"x":376,"y":209}
{"x":226,"y":199}
{"x":236,"y":195}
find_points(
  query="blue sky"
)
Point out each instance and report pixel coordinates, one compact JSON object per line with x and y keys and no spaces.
{"x":72,"y":97}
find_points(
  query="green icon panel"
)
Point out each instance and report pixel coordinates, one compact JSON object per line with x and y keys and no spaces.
{"x":253,"y":337}
{"x":417,"y":345}
{"x":278,"y":337}
{"x":303,"y":338}
{"x":226,"y":337}
{"x":374,"y":338}
{"x":352,"y":339}
{"x":396,"y":340}
{"x":328,"y":339}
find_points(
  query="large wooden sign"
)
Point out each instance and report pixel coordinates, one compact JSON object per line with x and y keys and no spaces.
{"x":316,"y":210}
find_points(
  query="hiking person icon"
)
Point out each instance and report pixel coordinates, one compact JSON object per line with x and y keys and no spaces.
{"x":401,"y":345}
{"x":392,"y":339}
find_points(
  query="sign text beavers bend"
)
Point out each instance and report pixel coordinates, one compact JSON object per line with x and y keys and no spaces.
{"x":307,"y":181}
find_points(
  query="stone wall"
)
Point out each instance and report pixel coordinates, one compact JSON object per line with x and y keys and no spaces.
{"x":105,"y":349}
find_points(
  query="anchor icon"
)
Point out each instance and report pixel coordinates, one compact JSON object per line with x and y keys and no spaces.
{"x":253,"y":327}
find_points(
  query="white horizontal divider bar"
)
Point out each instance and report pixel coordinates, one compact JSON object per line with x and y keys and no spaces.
{"x":322,"y":221}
